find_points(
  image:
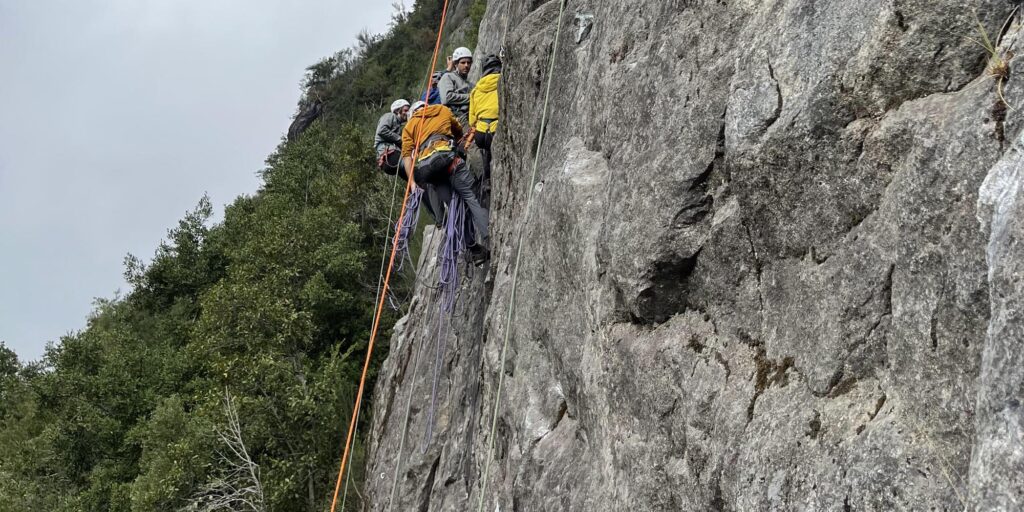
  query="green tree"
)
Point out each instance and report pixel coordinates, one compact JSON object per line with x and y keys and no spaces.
{"x":272,"y":306}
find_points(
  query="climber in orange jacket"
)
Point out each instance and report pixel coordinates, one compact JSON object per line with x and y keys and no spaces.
{"x":438,"y":165}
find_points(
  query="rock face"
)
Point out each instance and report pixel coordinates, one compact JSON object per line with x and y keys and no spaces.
{"x":998,"y":460}
{"x":753,"y":274}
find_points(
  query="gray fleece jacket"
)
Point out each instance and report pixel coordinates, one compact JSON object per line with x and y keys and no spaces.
{"x":389,"y":132}
{"x":454,"y":91}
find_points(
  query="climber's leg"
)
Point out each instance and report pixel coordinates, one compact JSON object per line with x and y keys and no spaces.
{"x":462,"y":183}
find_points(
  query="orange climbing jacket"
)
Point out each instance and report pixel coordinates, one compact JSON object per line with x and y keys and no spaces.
{"x":434,"y":127}
{"x":436,"y":130}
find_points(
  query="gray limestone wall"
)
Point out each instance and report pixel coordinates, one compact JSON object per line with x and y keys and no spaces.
{"x":774,"y":262}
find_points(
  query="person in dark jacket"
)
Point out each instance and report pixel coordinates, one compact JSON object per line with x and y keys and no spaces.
{"x":433,"y":97}
{"x":387,"y":140}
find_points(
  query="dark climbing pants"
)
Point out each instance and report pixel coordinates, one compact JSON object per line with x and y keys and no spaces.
{"x":440,"y":196}
{"x":446,"y":173}
{"x":483,"y":141}
{"x":462,"y":182}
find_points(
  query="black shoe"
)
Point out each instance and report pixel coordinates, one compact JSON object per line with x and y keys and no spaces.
{"x":480,"y":256}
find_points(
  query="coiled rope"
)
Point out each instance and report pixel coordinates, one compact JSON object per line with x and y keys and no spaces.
{"x":452,"y":248}
{"x":408,"y":227}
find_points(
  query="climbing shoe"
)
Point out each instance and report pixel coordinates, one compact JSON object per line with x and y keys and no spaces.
{"x":479,"y":255}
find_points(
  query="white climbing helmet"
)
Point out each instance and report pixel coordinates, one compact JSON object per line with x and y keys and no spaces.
{"x":398,"y":104}
{"x":416,"y":106}
{"x":461,"y":53}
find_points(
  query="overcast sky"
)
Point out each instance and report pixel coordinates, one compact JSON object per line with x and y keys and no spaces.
{"x":117,"y":115}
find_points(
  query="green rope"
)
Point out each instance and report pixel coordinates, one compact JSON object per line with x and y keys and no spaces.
{"x":519,"y":253}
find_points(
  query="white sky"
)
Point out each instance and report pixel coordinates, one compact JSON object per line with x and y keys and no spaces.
{"x":117,"y":115}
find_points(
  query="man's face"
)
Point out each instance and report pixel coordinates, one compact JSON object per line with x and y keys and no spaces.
{"x":463,"y":66}
{"x":404,"y":112}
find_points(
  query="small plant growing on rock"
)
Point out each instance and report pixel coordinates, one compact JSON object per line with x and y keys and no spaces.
{"x":998,"y":68}
{"x":998,"y":61}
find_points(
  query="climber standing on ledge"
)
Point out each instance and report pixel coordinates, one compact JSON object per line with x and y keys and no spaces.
{"x":483,"y":112}
{"x":387,"y":141}
{"x":454,"y":87}
{"x":438,"y":166}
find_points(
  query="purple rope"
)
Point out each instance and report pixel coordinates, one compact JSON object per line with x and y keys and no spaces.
{"x":408,"y":227}
{"x":451,"y":251}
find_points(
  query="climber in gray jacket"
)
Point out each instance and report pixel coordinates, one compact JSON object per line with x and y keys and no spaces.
{"x":387,"y":141}
{"x":454,"y":87}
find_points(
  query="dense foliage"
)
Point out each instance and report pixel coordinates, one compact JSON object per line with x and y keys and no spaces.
{"x":251,"y":330}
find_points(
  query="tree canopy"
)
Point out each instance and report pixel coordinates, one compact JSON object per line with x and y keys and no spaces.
{"x":251,"y":330}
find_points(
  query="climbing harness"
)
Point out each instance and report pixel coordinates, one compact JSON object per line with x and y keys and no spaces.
{"x":386,"y":163}
{"x":434,"y":143}
{"x":380,"y":300}
{"x":515,"y":265}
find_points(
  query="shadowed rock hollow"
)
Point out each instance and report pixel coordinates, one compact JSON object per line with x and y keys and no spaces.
{"x":757,"y":274}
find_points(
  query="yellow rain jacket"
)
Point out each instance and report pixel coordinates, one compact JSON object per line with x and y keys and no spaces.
{"x":483,"y":104}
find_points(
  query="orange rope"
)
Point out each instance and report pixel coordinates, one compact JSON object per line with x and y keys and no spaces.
{"x":387,"y":280}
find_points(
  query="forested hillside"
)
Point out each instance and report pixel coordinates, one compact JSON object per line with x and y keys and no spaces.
{"x":228,"y":370}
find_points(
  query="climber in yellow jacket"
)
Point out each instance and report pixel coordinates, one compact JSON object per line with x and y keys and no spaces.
{"x":483,"y":112}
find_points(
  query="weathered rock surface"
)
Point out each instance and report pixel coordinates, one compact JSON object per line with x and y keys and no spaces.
{"x":753,"y":274}
{"x":997,"y":466}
